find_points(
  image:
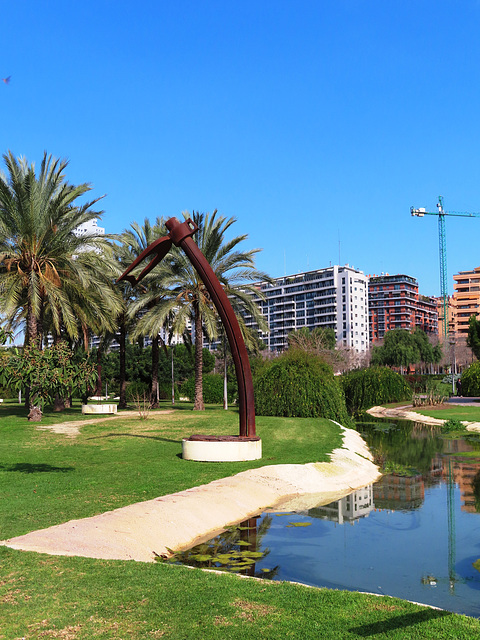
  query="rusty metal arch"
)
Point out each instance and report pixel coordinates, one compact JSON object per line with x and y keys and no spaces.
{"x":180,"y":234}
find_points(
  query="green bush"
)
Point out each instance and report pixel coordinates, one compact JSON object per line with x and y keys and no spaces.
{"x":452,"y":425}
{"x":137,"y":390}
{"x":365,"y":388}
{"x":212,"y":389}
{"x":298,"y":384}
{"x":8,"y":393}
{"x":471,"y":380}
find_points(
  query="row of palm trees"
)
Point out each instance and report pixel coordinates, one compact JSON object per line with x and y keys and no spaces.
{"x":55,"y":281}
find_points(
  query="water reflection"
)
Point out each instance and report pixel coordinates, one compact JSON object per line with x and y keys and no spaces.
{"x":415,"y":534}
{"x":348,"y":509}
{"x":419,"y":457}
{"x":238,"y":549}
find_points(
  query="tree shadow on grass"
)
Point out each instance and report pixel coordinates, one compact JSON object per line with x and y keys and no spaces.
{"x":13,"y":410}
{"x":398,"y":622}
{"x":26,"y":467}
{"x":133,"y":435}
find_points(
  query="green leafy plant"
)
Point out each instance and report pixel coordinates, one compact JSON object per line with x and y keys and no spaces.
{"x":433,"y":396}
{"x":137,"y":390}
{"x":299,"y":384}
{"x":452,"y":425}
{"x":471,"y":380}
{"x":365,"y":388}
{"x":46,"y":373}
{"x":212,"y":389}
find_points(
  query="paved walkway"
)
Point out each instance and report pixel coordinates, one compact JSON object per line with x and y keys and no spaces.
{"x":468,"y":402}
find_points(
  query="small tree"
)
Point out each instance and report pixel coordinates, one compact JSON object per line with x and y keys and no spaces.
{"x":473,"y":338}
{"x":46,"y":373}
{"x":401,"y":348}
{"x":471,"y":380}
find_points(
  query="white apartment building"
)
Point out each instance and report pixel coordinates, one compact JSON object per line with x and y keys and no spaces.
{"x":89,"y":228}
{"x":334,"y":297}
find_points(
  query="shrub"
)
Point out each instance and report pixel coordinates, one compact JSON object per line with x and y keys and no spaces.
{"x":212,"y":389}
{"x":471,"y":380}
{"x":452,"y":425}
{"x":298,"y":384}
{"x":8,"y":393}
{"x":366,"y":388}
{"x":137,"y":390}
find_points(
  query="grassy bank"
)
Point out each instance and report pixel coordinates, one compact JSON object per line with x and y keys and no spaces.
{"x":457,"y":412}
{"x":48,"y":478}
{"x":81,"y":599}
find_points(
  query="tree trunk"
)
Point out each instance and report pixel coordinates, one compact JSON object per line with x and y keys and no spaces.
{"x":154,"y":391}
{"x":198,"y":401}
{"x":98,"y":388}
{"x":31,"y":337}
{"x":35,"y":414}
{"x":58,"y":403}
{"x":123,"y":364}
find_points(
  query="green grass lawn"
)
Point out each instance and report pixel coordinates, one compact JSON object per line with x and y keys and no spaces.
{"x":47,"y":478}
{"x":460,"y":412}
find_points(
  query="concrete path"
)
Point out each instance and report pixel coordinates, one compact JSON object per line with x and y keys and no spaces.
{"x":180,"y":520}
{"x":406,"y":413}
{"x":71,"y":428}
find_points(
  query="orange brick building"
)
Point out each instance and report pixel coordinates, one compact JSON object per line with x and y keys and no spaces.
{"x":394,"y":303}
{"x":465,"y":301}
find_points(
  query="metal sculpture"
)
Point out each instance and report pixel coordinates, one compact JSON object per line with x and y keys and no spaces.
{"x":180,"y":234}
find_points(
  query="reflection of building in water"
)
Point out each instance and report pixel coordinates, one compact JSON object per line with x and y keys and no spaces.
{"x":399,"y":492}
{"x":464,"y":471}
{"x":348,"y":509}
{"x":463,"y":475}
{"x":434,"y":476}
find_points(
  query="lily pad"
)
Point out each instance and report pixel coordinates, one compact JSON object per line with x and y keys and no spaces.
{"x":201,"y":557}
{"x":299,"y":524}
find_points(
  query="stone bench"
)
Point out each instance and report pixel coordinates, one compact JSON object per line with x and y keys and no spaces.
{"x":99,"y":408}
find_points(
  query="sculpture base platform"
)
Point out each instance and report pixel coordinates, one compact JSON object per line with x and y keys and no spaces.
{"x":204,"y":448}
{"x":99,"y":408}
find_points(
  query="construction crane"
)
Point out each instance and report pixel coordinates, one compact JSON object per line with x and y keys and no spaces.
{"x":442,"y":248}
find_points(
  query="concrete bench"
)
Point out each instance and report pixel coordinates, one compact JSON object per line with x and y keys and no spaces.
{"x":99,"y":408}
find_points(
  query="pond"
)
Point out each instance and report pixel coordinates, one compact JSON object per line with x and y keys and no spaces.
{"x":415,"y":534}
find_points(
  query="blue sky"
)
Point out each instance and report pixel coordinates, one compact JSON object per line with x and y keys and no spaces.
{"x":317,"y":124}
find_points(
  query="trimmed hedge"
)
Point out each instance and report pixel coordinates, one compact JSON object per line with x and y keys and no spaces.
{"x":212,"y":389}
{"x":365,"y":388}
{"x":471,"y":380}
{"x":299,"y":385}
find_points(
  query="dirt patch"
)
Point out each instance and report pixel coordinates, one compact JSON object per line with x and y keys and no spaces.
{"x":72,"y":429}
{"x":250,"y":611}
{"x":432,"y":407}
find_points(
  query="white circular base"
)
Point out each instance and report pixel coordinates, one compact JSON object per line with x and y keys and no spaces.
{"x":99,"y":408}
{"x":221,"y":451}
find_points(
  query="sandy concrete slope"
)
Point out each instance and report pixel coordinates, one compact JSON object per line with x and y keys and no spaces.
{"x":405,"y":414}
{"x":182,"y":519}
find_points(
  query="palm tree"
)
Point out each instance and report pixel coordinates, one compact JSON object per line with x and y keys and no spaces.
{"x":182,"y":296}
{"x":47,"y":272}
{"x":134,"y":241}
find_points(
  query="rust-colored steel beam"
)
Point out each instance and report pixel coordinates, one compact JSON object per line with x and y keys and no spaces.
{"x":180,"y":233}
